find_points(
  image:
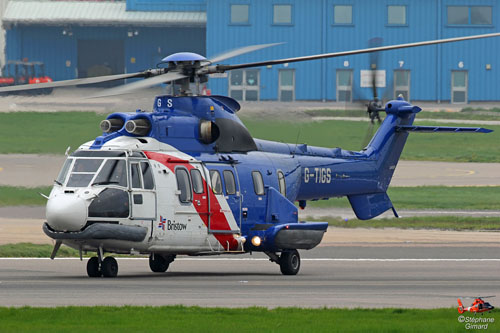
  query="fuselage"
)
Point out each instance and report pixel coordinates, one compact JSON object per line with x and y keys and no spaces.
{"x":189,"y":179}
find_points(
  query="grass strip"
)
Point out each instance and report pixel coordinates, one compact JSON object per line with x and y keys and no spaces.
{"x":52,"y":133}
{"x":23,"y":196}
{"x":420,"y":197}
{"x":432,"y":197}
{"x":350,"y":135}
{"x":29,"y":250}
{"x":455,"y":223}
{"x":252,"y":319}
{"x":47,"y":132}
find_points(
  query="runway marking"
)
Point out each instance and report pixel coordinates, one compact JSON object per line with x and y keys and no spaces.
{"x":303,"y":259}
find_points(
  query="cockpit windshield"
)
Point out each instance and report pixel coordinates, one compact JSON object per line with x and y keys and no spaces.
{"x":83,"y":171}
{"x":113,"y":172}
{"x":93,"y":171}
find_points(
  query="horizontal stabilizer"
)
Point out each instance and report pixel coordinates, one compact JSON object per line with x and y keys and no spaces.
{"x":441,"y":129}
{"x":368,"y":206}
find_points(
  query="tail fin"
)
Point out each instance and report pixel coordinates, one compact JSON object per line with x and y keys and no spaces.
{"x":460,"y":306}
{"x":388,"y":143}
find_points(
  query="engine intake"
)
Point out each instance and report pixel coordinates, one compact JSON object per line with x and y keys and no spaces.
{"x":111,"y":125}
{"x":209,"y":131}
{"x":139,"y":127}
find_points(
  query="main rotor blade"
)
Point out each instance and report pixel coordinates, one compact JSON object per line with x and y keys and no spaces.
{"x":163,"y":78}
{"x":240,"y":51}
{"x":73,"y":82}
{"x":223,"y":68}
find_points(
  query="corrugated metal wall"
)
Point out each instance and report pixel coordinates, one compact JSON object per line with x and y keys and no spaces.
{"x":3,"y":5}
{"x":59,"y":52}
{"x":312,"y":31}
{"x":167,"y":5}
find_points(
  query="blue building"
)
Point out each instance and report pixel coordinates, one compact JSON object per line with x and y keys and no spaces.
{"x":137,"y":33}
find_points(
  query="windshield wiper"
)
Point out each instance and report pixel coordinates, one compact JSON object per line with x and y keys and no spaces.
{"x":57,"y":182}
{"x":106,"y":182}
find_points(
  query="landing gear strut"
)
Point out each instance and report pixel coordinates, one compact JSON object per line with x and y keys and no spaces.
{"x":159,"y":263}
{"x":96,"y":267}
{"x":289,"y":261}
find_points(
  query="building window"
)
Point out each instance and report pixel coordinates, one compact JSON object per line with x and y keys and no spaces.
{"x":287,"y":85}
{"x":342,"y":14}
{"x":239,"y":14}
{"x":396,"y":15}
{"x":458,"y":15}
{"x":473,"y":15}
{"x":344,"y":85}
{"x":244,"y":84}
{"x":402,"y":84}
{"x":282,"y":14}
{"x":459,"y":87}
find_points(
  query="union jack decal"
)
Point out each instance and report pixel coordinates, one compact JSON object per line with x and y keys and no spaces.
{"x":161,"y":225}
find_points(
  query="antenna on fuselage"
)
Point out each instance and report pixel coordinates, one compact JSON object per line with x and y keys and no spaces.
{"x":296,"y":143}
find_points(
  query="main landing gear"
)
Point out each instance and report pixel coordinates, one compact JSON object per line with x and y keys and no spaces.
{"x":289,"y":261}
{"x":159,"y":263}
{"x":96,"y":267}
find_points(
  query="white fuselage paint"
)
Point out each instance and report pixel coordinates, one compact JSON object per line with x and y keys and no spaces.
{"x":175,"y":227}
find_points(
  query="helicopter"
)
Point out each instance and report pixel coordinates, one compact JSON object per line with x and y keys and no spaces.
{"x":189,"y":179}
{"x":477,"y":306}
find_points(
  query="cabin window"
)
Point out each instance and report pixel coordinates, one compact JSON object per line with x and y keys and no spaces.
{"x":183,"y":185}
{"x":229,"y":181}
{"x":135,"y":175}
{"x":114,"y":172}
{"x":281,"y":182}
{"x":216,"y":181}
{"x":258,"y":183}
{"x":197,"y":181}
{"x":147,"y":176}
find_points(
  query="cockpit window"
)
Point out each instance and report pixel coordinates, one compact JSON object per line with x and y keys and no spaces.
{"x":147,"y":176}
{"x":64,"y":171}
{"x":136,"y":178}
{"x":87,"y":165}
{"x":113,"y":172}
{"x":83,"y":172}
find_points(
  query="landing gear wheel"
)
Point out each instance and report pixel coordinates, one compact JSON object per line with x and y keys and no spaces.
{"x":158,"y":263}
{"x":109,"y":267}
{"x":289,"y":262}
{"x":93,"y":267}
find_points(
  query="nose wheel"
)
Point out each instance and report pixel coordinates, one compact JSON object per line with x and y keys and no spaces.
{"x":107,"y":267}
{"x":159,"y":263}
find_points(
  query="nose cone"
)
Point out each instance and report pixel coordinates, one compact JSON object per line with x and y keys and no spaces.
{"x":66,"y":212}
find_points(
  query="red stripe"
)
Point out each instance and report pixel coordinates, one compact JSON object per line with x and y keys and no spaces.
{"x":218,"y":220}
